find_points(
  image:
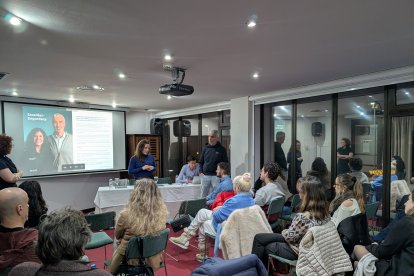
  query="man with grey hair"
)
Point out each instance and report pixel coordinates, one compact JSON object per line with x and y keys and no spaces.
{"x":17,"y":244}
{"x":63,"y":235}
{"x":212,"y":154}
{"x":61,"y":143}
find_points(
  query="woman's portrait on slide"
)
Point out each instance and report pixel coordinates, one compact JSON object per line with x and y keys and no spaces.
{"x":37,"y":155}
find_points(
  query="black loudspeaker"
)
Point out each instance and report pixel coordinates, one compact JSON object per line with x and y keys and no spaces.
{"x":317,"y":129}
{"x":182,"y":127}
{"x":156,"y":126}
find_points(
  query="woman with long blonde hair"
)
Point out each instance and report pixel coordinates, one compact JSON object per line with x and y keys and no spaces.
{"x":145,"y":214}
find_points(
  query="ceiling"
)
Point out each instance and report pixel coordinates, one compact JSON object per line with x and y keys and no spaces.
{"x":65,"y":44}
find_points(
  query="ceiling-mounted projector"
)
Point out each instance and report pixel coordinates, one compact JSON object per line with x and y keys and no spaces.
{"x":176,"y":89}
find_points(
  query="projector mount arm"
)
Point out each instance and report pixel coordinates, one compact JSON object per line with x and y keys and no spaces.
{"x":175,"y":74}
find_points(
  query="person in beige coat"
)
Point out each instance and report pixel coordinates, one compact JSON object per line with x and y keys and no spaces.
{"x":145,"y":214}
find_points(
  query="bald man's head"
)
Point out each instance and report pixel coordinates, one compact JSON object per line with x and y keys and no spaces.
{"x":14,"y":208}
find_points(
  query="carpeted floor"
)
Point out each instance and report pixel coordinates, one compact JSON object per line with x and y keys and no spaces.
{"x":183,"y":267}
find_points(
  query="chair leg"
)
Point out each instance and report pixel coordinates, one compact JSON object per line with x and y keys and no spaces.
{"x":165,"y":268}
{"x":171,"y":256}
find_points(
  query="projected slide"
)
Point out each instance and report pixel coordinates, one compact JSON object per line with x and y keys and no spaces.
{"x":61,"y":140}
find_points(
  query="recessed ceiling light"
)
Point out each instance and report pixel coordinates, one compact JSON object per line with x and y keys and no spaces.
{"x":121,"y":76}
{"x":358,"y":106}
{"x":167,"y":57}
{"x":407,"y":93}
{"x":255,"y":75}
{"x":14,"y":93}
{"x":13,"y":20}
{"x":71,"y":99}
{"x":361,"y":113}
{"x":303,"y":116}
{"x":169,"y":97}
{"x":114,"y":104}
{"x":252,"y":22}
{"x":370,"y":96}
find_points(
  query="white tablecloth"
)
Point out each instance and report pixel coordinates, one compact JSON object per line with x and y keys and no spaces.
{"x":111,"y":199}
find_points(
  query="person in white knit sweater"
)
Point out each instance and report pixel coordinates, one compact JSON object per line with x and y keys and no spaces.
{"x":349,"y":200}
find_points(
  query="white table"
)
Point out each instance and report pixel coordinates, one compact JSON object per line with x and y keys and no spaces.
{"x":111,"y":199}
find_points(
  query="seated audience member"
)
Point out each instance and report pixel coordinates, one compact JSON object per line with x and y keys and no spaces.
{"x":225,"y":184}
{"x":210,"y":221}
{"x":145,"y":214}
{"x":220,"y":199}
{"x":258,"y":184}
{"x":319,"y":170}
{"x":17,"y":244}
{"x":63,"y":236}
{"x":313,"y":212}
{"x":189,"y":170}
{"x":400,"y":208}
{"x":349,"y":199}
{"x":376,"y":185}
{"x":395,"y":255}
{"x":398,"y":165}
{"x":271,"y":188}
{"x":37,"y":205}
{"x":355,"y":164}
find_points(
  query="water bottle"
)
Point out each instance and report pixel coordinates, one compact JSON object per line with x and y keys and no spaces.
{"x":111,"y":183}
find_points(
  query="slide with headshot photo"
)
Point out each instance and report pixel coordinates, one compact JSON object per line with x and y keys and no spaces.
{"x":51,"y":140}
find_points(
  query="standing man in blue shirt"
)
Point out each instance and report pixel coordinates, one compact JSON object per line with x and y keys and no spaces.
{"x":189,"y":170}
{"x":212,"y":154}
{"x":225,"y":184}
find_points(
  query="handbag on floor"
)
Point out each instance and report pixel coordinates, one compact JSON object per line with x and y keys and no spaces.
{"x":182,"y":221}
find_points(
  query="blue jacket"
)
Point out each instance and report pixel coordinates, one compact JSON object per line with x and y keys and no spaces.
{"x":135,"y":167}
{"x":249,"y":265}
{"x":377,"y":183}
{"x":239,"y":201}
{"x":225,"y":185}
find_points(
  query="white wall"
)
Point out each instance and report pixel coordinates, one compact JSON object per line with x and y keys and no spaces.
{"x":241,"y":124}
{"x":138,"y":123}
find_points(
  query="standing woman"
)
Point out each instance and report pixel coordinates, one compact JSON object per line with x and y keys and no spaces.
{"x":9,"y":174}
{"x":344,"y":153}
{"x":145,"y":214}
{"x":298,"y":162}
{"x":37,"y":204}
{"x":142,"y":164}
